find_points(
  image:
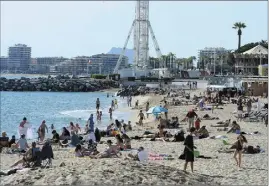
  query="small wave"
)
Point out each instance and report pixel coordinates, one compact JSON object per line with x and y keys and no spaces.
{"x":83,"y":114}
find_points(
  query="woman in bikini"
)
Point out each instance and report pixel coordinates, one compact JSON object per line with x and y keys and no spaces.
{"x":42,"y":130}
{"x":239,"y":148}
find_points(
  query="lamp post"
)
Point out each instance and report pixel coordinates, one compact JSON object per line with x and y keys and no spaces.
{"x":214,"y":62}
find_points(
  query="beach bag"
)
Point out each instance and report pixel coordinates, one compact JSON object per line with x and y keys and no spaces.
{"x":196,"y":153}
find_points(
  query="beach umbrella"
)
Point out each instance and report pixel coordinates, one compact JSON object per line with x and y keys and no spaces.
{"x":156,"y":110}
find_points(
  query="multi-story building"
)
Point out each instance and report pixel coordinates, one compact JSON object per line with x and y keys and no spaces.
{"x":3,"y":63}
{"x":208,"y":56}
{"x":43,"y":65}
{"x":76,"y":66}
{"x":105,"y":63}
{"x":19,"y":57}
{"x":247,"y":63}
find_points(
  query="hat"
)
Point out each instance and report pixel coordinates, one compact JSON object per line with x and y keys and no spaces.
{"x":140,"y":149}
{"x":4,"y":134}
{"x":24,"y":119}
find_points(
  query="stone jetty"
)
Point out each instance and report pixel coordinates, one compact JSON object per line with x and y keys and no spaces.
{"x":56,"y":84}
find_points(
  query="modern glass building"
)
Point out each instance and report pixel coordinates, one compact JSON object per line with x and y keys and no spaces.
{"x":105,"y":63}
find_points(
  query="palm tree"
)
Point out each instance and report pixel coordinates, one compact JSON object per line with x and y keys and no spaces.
{"x":163,"y":58}
{"x":239,"y":26}
{"x":171,"y":57}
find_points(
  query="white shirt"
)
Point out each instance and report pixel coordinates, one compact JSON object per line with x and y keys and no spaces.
{"x":22,"y":143}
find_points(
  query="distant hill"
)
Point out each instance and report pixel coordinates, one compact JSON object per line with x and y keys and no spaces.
{"x":128,"y":52}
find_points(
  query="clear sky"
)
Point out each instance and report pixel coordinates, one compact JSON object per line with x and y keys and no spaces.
{"x":69,"y":28}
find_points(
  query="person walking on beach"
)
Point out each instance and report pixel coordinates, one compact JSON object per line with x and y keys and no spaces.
{"x":238,"y":149}
{"x":42,"y":130}
{"x":116,"y":103}
{"x":189,"y":149}
{"x":112,"y":105}
{"x":191,"y":116}
{"x":147,"y":108}
{"x":130,"y":101}
{"x":166,"y":107}
{"x":97,"y":104}
{"x":110,"y":113}
{"x":141,"y":117}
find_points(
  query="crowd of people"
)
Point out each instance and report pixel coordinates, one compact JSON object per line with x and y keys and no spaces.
{"x":86,"y":141}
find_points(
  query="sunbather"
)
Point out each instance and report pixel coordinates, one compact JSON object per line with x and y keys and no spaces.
{"x":202,"y":133}
{"x":109,"y":152}
{"x":234,"y":127}
{"x":28,"y":156}
{"x":222,"y":124}
{"x":81,"y":151}
{"x":126,"y":141}
{"x":251,"y":150}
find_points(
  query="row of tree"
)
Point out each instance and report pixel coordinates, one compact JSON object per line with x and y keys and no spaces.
{"x":225,"y":62}
{"x":170,"y":61}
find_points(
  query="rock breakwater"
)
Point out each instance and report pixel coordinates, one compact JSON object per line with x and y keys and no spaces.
{"x":56,"y":84}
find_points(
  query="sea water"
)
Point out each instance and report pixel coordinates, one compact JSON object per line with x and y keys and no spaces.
{"x":58,"y":108}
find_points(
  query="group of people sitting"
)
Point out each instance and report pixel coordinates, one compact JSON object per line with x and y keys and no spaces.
{"x":123,"y":142}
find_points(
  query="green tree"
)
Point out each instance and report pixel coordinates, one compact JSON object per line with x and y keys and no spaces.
{"x":239,"y":26}
{"x":171,"y":59}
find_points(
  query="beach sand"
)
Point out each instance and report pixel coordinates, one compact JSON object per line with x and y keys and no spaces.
{"x":117,"y":171}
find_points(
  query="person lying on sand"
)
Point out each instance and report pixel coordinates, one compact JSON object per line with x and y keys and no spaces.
{"x":222,"y":124}
{"x":251,"y":150}
{"x":109,"y":152}
{"x":234,"y":127}
{"x":28,"y":156}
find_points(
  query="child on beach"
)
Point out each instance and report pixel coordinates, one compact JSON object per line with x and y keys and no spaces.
{"x":238,"y":149}
{"x":197,"y":124}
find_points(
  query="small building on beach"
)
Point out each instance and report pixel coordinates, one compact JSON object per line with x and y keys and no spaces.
{"x":249,"y":61}
{"x":256,"y":86}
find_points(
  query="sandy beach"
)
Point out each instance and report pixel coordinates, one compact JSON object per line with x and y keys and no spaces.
{"x":221,"y":170}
